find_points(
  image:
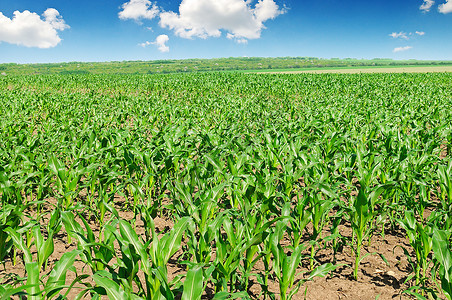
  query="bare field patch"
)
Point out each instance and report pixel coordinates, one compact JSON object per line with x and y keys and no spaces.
{"x":435,"y":69}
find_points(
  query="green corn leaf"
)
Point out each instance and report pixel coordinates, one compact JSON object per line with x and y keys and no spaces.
{"x":45,"y":248}
{"x":76,"y":280}
{"x":377,"y":193}
{"x":327,"y":190}
{"x":278,"y":254}
{"x":193,"y":285}
{"x":442,"y":252}
{"x":114,"y":291}
{"x":173,"y":243}
{"x":57,"y":277}
{"x":89,"y":232}
{"x":32,"y":270}
{"x":213,"y":162}
{"x":161,"y":274}
{"x":230,"y":296}
{"x":183,"y":191}
{"x":131,"y":237}
{"x":39,"y":240}
{"x":322,"y":271}
{"x":361,"y":204}
{"x":289,"y":268}
{"x":414,"y":292}
{"x":6,"y":294}
{"x":19,"y":243}
{"x":73,"y":228}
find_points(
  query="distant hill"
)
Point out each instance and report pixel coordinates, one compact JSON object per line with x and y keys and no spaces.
{"x":206,"y":65}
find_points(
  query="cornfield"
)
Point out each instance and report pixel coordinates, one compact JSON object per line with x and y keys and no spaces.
{"x":223,"y":186}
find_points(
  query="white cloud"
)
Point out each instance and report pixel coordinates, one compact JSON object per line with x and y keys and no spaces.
{"x":427,"y":5}
{"x":138,"y":9}
{"x":52,"y":16}
{"x":206,"y":18}
{"x":266,"y":10}
{"x":446,"y":7}
{"x":145,"y":44}
{"x":161,"y":41}
{"x":28,"y":29}
{"x":404,"y":35}
{"x":401,"y":49}
{"x":401,"y":35}
{"x":237,"y":40}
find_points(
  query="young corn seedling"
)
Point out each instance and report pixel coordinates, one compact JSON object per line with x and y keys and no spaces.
{"x":300,"y":219}
{"x":10,"y":217}
{"x":445,"y":180}
{"x":34,"y":235}
{"x":337,"y":240}
{"x":44,"y":248}
{"x":421,"y":240}
{"x":36,"y":287}
{"x":96,"y":253}
{"x":318,"y":209}
{"x":193,"y":284}
{"x":257,"y":229}
{"x":150,"y":257}
{"x":66,"y":181}
{"x":206,"y":222}
{"x":285,"y":268}
{"x":442,"y":252}
{"x":361,"y":216}
{"x":230,"y":248}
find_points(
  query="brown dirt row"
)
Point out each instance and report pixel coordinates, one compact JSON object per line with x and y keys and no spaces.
{"x":376,"y":278}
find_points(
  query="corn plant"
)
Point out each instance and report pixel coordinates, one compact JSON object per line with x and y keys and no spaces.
{"x":35,"y":285}
{"x":445,"y":180}
{"x":150,"y":257}
{"x":252,"y":169}
{"x":421,"y":240}
{"x":361,"y":214}
{"x":443,"y":254}
{"x":10,"y":218}
{"x":285,"y":268}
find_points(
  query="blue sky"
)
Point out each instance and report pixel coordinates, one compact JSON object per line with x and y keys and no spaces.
{"x":110,"y":30}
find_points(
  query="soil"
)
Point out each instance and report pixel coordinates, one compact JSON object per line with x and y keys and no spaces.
{"x":377,"y":279}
